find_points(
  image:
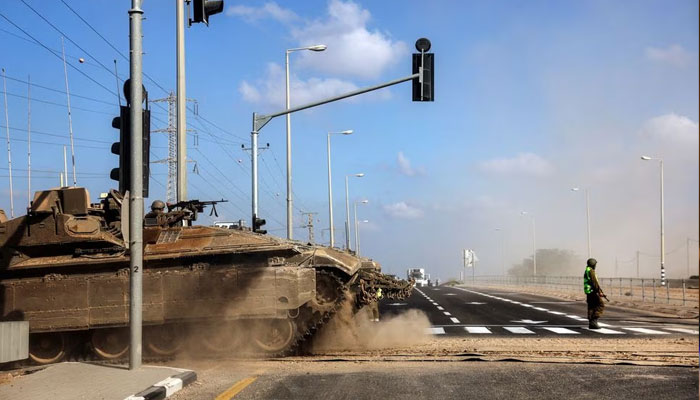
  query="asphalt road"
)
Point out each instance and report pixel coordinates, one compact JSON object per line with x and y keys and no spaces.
{"x":439,"y":380}
{"x":467,"y":311}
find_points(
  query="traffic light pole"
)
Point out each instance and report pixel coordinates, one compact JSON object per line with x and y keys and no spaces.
{"x":259,"y":121}
{"x":181,"y":103}
{"x":136,"y":193}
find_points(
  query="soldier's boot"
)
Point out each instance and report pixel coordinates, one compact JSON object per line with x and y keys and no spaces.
{"x":593,"y":324}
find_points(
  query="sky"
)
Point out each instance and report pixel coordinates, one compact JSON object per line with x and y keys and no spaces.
{"x":532,"y":98}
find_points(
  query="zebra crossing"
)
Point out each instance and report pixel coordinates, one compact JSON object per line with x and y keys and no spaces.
{"x":452,"y":330}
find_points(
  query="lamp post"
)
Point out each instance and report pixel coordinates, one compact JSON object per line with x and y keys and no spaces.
{"x":534,"y":243}
{"x":503,"y":250}
{"x":661,"y":166}
{"x":357,"y":227}
{"x":357,"y":240}
{"x":318,"y":47}
{"x":347,"y":209}
{"x":588,"y":219}
{"x":330,"y":185}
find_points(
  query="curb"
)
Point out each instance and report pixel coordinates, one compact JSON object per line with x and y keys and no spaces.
{"x":166,"y":387}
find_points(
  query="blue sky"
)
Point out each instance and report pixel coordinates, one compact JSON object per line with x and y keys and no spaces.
{"x":532,"y":98}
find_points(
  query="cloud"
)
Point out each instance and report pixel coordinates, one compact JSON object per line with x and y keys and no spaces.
{"x":522,"y":164}
{"x":403,"y":210}
{"x":268,"y":10}
{"x":404,"y":165}
{"x":674,"y":55}
{"x":672,"y":128}
{"x":270,"y":90}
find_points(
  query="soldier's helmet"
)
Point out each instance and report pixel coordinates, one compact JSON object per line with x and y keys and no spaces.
{"x":591,"y":262}
{"x":158,"y":205}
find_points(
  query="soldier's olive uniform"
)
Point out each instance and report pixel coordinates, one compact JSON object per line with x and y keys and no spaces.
{"x":591,"y":287}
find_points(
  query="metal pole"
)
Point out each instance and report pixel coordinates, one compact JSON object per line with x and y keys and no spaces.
{"x":653,"y":286}
{"x":663,"y":270}
{"x":637,"y":264}
{"x":683,"y":284}
{"x":181,"y":101}
{"x":29,"y":141}
{"x":9,"y":151}
{"x":70,"y":119}
{"x":588,"y":224}
{"x":643,"y":291}
{"x":347,"y":215}
{"x":254,"y":171}
{"x":687,"y":257}
{"x":136,"y":193}
{"x":357,"y":248}
{"x":534,"y":248}
{"x":65,"y":167}
{"x":290,"y":231}
{"x":668,"y":296}
{"x":330,"y":193}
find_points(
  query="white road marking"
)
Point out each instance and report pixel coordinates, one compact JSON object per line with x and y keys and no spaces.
{"x":683,"y":330}
{"x":540,"y":309}
{"x":529,"y":321}
{"x":605,"y":331}
{"x":647,"y":331}
{"x":476,"y":303}
{"x":455,"y":320}
{"x":576,"y":317}
{"x":447,"y":313}
{"x":397,"y":304}
{"x":561,"y":331}
{"x":451,"y":294}
{"x":435,"y":331}
{"x":519,"y":330}
{"x":477,"y":329}
{"x":556,"y":312}
{"x":440,"y":308}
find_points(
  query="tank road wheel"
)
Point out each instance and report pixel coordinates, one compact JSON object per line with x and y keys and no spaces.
{"x":164,"y":340}
{"x":327,"y":292}
{"x":110,"y":343}
{"x":220,"y":338}
{"x":275,"y":335}
{"x":46,"y":348}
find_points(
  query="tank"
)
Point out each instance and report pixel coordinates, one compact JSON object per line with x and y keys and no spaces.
{"x":64,"y":267}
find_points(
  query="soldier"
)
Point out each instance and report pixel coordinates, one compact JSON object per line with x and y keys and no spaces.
{"x":156,"y":215}
{"x":594,"y":294}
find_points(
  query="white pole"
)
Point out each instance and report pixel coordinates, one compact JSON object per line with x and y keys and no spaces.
{"x":356,"y":240}
{"x":290,"y":230}
{"x":65,"y":167}
{"x":330,"y":193}
{"x":70,"y":118}
{"x":588,"y":223}
{"x":9,"y":151}
{"x":181,"y":101}
{"x":347,"y":215}
{"x":663,"y":246}
{"x":29,"y":141}
{"x":534,"y":248}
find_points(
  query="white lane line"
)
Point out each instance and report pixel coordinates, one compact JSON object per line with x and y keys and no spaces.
{"x":440,"y":308}
{"x":477,"y":329}
{"x":435,"y":331}
{"x":647,"y":331}
{"x":603,"y":324}
{"x":556,"y":312}
{"x":447,"y":313}
{"x":683,"y":330}
{"x":540,"y":309}
{"x":576,"y":317}
{"x":451,"y":294}
{"x":561,"y":331}
{"x":527,"y":305}
{"x":605,"y":331}
{"x":519,"y":330}
{"x":455,"y":320}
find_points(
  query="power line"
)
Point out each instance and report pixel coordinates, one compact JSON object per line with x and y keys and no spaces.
{"x":58,"y":104}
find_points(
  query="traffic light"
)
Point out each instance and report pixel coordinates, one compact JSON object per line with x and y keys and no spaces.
{"x":423,"y":89}
{"x":204,"y":8}
{"x":122,"y":174}
{"x":257,"y":224}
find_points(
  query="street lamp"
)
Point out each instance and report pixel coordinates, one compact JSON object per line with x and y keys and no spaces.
{"x":357,"y":246}
{"x":318,"y":47}
{"x":534,"y":243}
{"x":330,"y":187}
{"x":588,"y":219}
{"x":503,"y":250}
{"x":661,"y":165}
{"x":357,"y":227}
{"x":347,"y":209}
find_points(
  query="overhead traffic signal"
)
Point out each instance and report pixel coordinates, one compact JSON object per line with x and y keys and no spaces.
{"x":122,"y":148}
{"x":423,"y":63}
{"x":204,"y":8}
{"x":257,"y":224}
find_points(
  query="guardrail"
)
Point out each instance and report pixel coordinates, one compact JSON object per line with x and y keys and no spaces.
{"x":676,"y":291}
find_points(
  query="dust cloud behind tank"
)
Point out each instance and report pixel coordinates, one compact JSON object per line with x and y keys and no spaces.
{"x":207,"y":290}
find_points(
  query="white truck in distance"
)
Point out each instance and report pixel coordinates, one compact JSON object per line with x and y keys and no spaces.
{"x":418,"y":275}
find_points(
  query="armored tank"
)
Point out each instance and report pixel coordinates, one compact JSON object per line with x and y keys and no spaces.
{"x":64,"y":267}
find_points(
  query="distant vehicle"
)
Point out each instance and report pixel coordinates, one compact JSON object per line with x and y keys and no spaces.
{"x":230,"y":225}
{"x":418,"y":275}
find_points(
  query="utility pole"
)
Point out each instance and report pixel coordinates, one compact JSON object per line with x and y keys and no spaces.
{"x":70,"y":118}
{"x":181,"y":102}
{"x":637,"y":264}
{"x":9,"y":151}
{"x":136,"y":195}
{"x":171,"y":130}
{"x":29,"y":142}
{"x":310,"y":224}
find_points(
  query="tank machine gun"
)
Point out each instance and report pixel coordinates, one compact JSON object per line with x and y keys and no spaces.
{"x":181,"y":211}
